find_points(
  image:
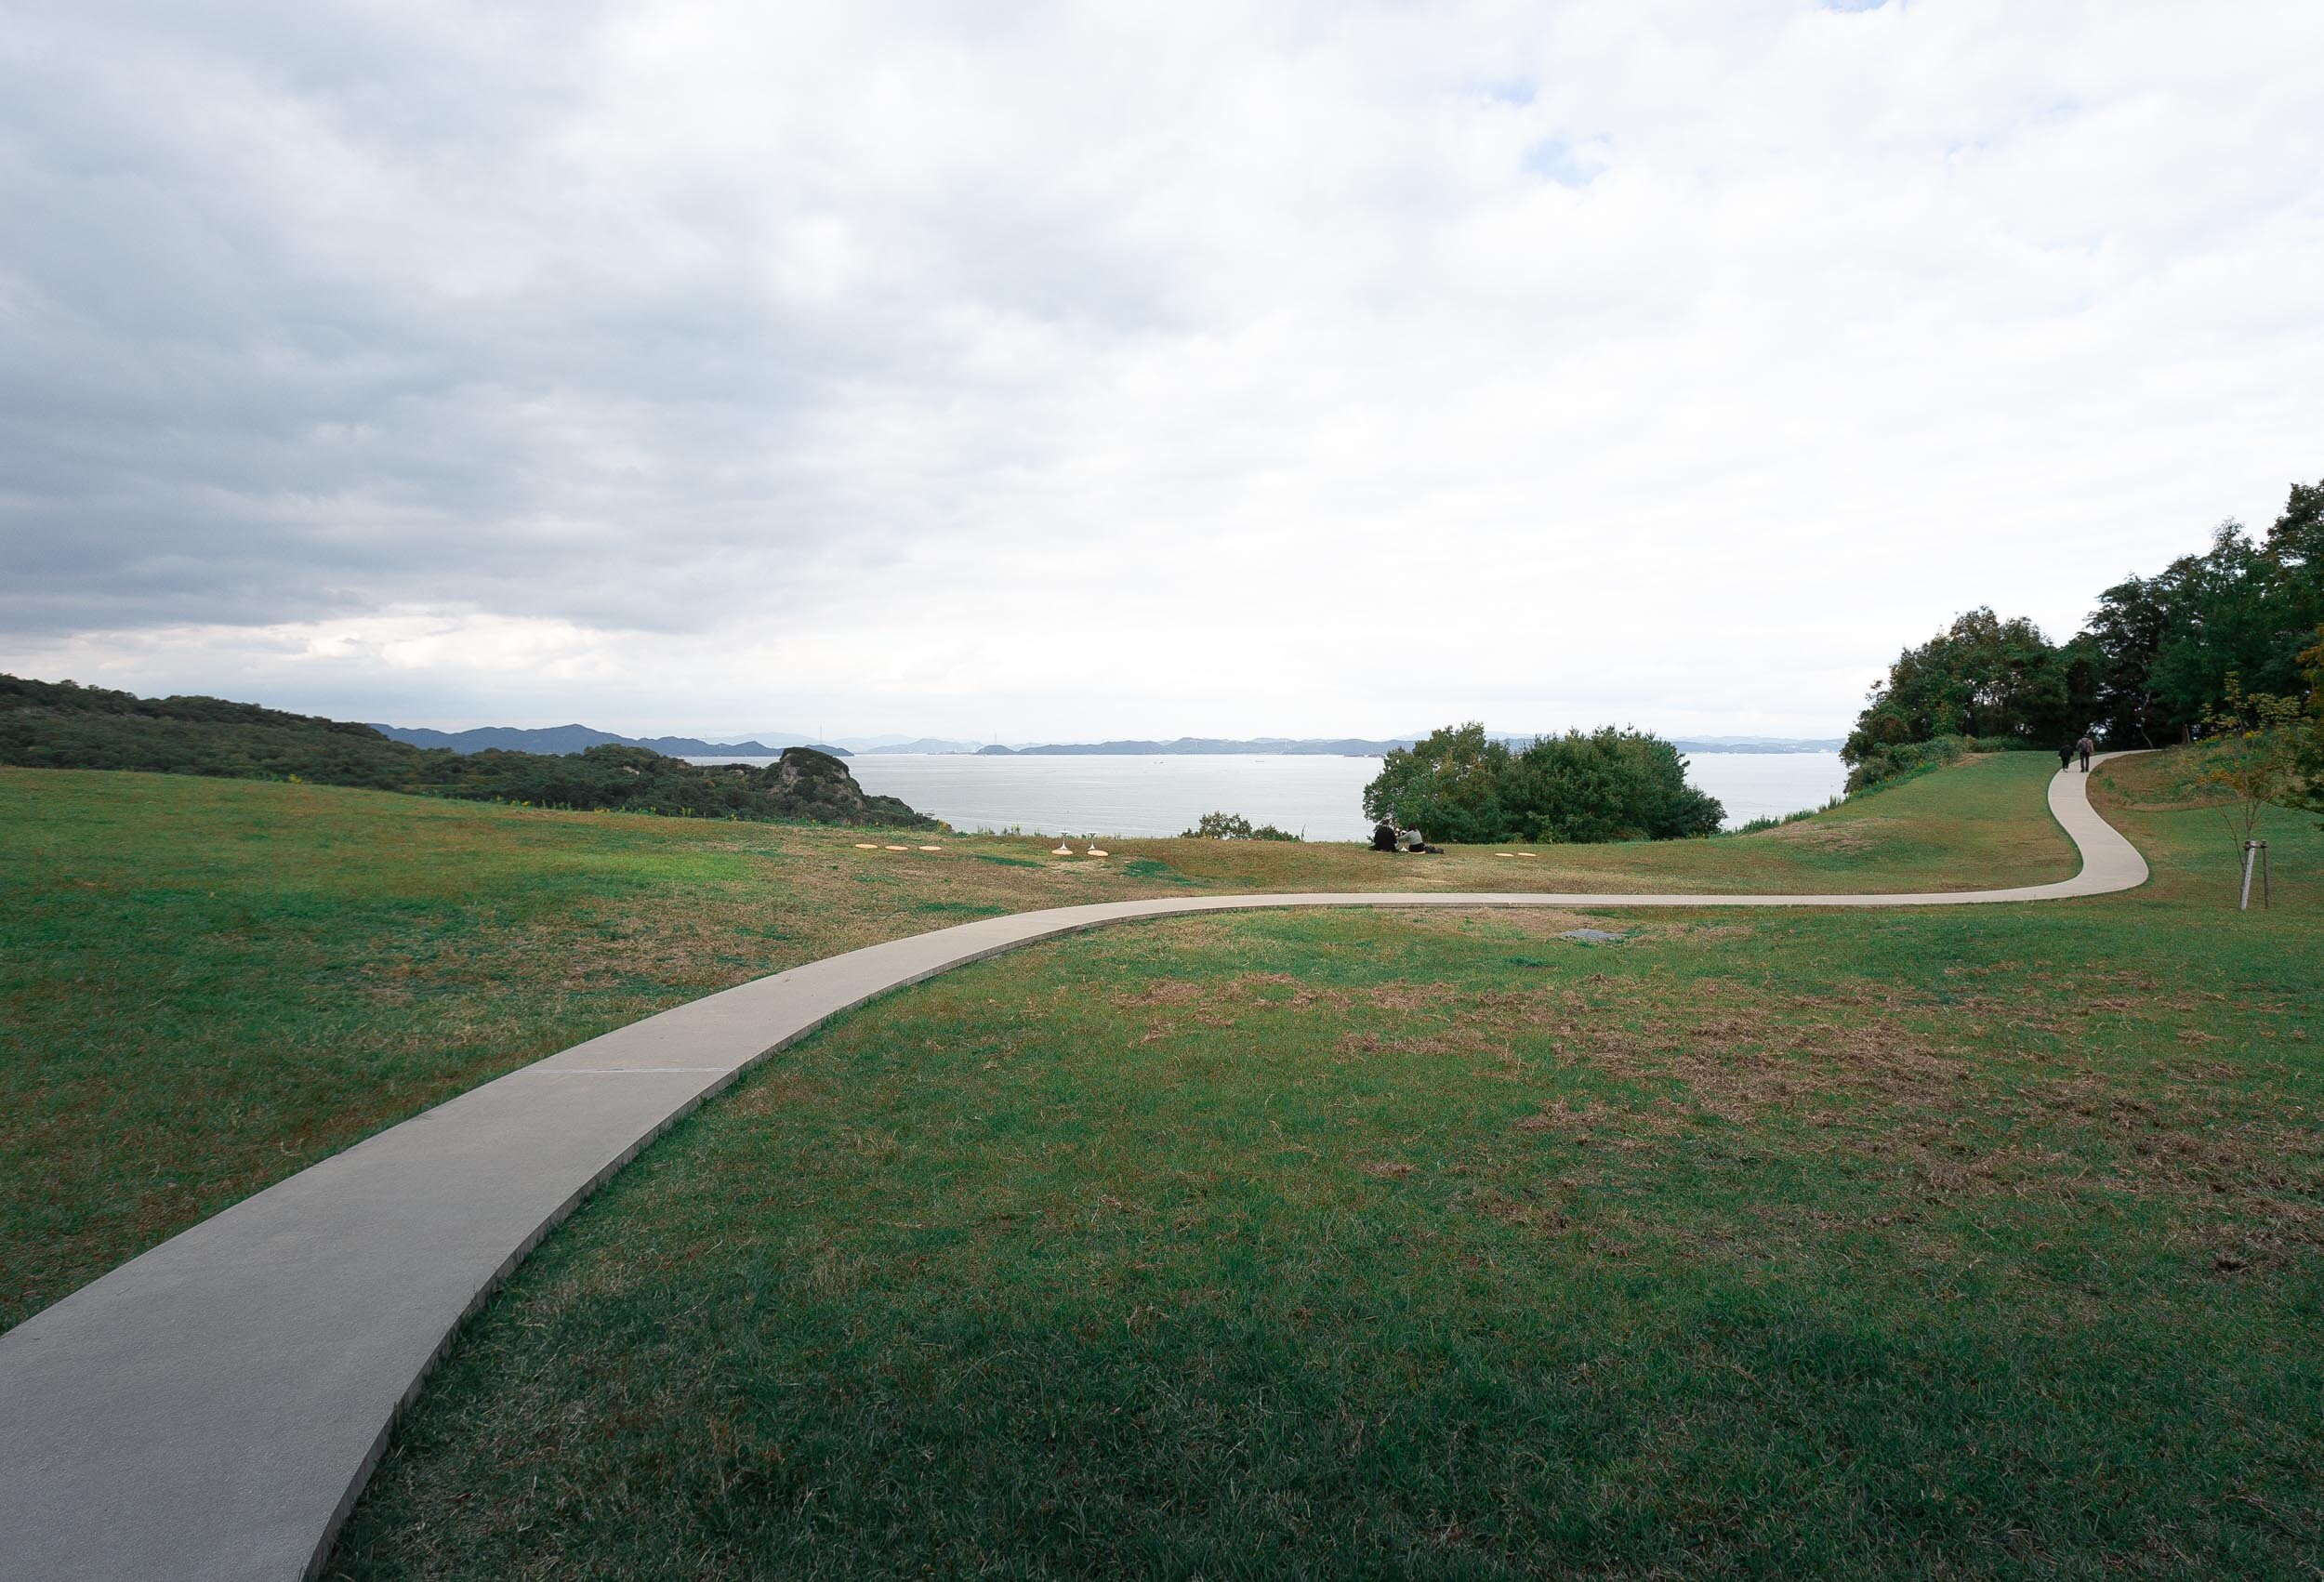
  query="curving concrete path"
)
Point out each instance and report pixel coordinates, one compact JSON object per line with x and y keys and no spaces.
{"x":211,"y":1408}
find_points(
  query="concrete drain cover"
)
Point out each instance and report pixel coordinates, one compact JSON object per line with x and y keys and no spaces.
{"x":1592,"y":936}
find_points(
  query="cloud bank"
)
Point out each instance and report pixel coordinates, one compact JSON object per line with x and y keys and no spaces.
{"x":1022,"y":372}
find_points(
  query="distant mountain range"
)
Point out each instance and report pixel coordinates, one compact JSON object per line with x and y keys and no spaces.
{"x":922,"y":745}
{"x":577,"y":738}
{"x":1356,"y":747}
{"x":580,"y":738}
{"x":1338,"y":746}
{"x":1757,"y":744}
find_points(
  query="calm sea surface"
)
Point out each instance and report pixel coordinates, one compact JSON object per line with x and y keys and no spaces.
{"x":1320,"y":796}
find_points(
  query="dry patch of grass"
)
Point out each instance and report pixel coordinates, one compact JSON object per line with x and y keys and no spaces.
{"x":1499,"y":922}
{"x":1856,"y":835}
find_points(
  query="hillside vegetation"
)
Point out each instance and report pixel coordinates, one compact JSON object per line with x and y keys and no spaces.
{"x":2213,"y":644}
{"x":60,"y":725}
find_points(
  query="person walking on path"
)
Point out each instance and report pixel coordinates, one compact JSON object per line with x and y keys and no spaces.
{"x":2066,"y":757}
{"x":2085,"y":746}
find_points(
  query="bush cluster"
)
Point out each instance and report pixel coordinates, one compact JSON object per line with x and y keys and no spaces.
{"x":1461,"y":785}
{"x":60,"y":725}
{"x":1234,"y":826}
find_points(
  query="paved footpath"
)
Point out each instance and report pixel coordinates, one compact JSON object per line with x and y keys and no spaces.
{"x":212,"y":1408}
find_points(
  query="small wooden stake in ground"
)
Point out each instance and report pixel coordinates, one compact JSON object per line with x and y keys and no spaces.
{"x":2254,"y":852}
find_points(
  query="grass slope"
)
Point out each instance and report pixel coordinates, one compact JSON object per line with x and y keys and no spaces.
{"x":208,"y":984}
{"x":1943,"y":1243}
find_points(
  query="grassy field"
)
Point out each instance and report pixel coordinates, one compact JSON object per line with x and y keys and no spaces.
{"x":1945,"y":1244}
{"x":206,"y":986}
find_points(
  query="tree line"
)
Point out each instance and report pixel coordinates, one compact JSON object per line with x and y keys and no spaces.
{"x":2160,"y":661}
{"x":61,"y":725}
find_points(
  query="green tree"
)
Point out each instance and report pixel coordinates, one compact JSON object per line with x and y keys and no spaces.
{"x":2134,"y":618}
{"x":1996,"y":679}
{"x":1448,"y":786}
{"x":2253,"y":755}
{"x":2149,"y":666}
{"x":2308,"y":742}
{"x":1461,"y":785}
{"x":2294,"y":554}
{"x":2219,"y":625}
{"x":1607,"y":785}
{"x":2241,"y":608}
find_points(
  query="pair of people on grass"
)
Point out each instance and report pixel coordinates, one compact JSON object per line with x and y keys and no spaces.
{"x":1386,"y":836}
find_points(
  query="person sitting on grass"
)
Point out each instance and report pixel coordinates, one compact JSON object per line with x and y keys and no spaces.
{"x":1384,"y":836}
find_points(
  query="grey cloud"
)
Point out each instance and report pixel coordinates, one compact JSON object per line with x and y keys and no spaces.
{"x":558,"y":351}
{"x":233,"y":391}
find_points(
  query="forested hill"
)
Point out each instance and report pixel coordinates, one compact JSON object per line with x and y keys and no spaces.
{"x":2229,"y":642}
{"x":60,"y":725}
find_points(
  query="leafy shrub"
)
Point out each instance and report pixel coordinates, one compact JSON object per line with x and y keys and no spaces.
{"x":1460,"y":784}
{"x":1607,"y":785}
{"x":1894,"y":761}
{"x":1234,"y":826}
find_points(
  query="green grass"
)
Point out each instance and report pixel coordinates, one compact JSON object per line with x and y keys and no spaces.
{"x":1975,"y":1243}
{"x":206,"y":986}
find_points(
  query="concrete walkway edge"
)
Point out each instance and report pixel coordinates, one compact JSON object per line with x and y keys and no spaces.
{"x":213,"y":1408}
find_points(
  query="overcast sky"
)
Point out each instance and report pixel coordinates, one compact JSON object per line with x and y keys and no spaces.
{"x":994,"y":370}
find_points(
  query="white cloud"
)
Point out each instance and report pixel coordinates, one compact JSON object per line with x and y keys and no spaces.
{"x":1219,"y":369}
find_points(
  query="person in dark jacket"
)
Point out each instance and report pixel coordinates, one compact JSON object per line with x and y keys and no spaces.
{"x":2066,"y":757}
{"x":1384,"y":837}
{"x":2085,"y":746}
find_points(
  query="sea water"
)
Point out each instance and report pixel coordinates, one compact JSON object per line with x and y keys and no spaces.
{"x":1319,"y":797}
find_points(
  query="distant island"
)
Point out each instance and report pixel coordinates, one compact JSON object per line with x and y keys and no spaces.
{"x":1757,"y":744}
{"x":928,"y":747}
{"x":558,"y":739}
{"x":1355,"y":747}
{"x":1345,"y":747}
{"x":561,"y":739}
